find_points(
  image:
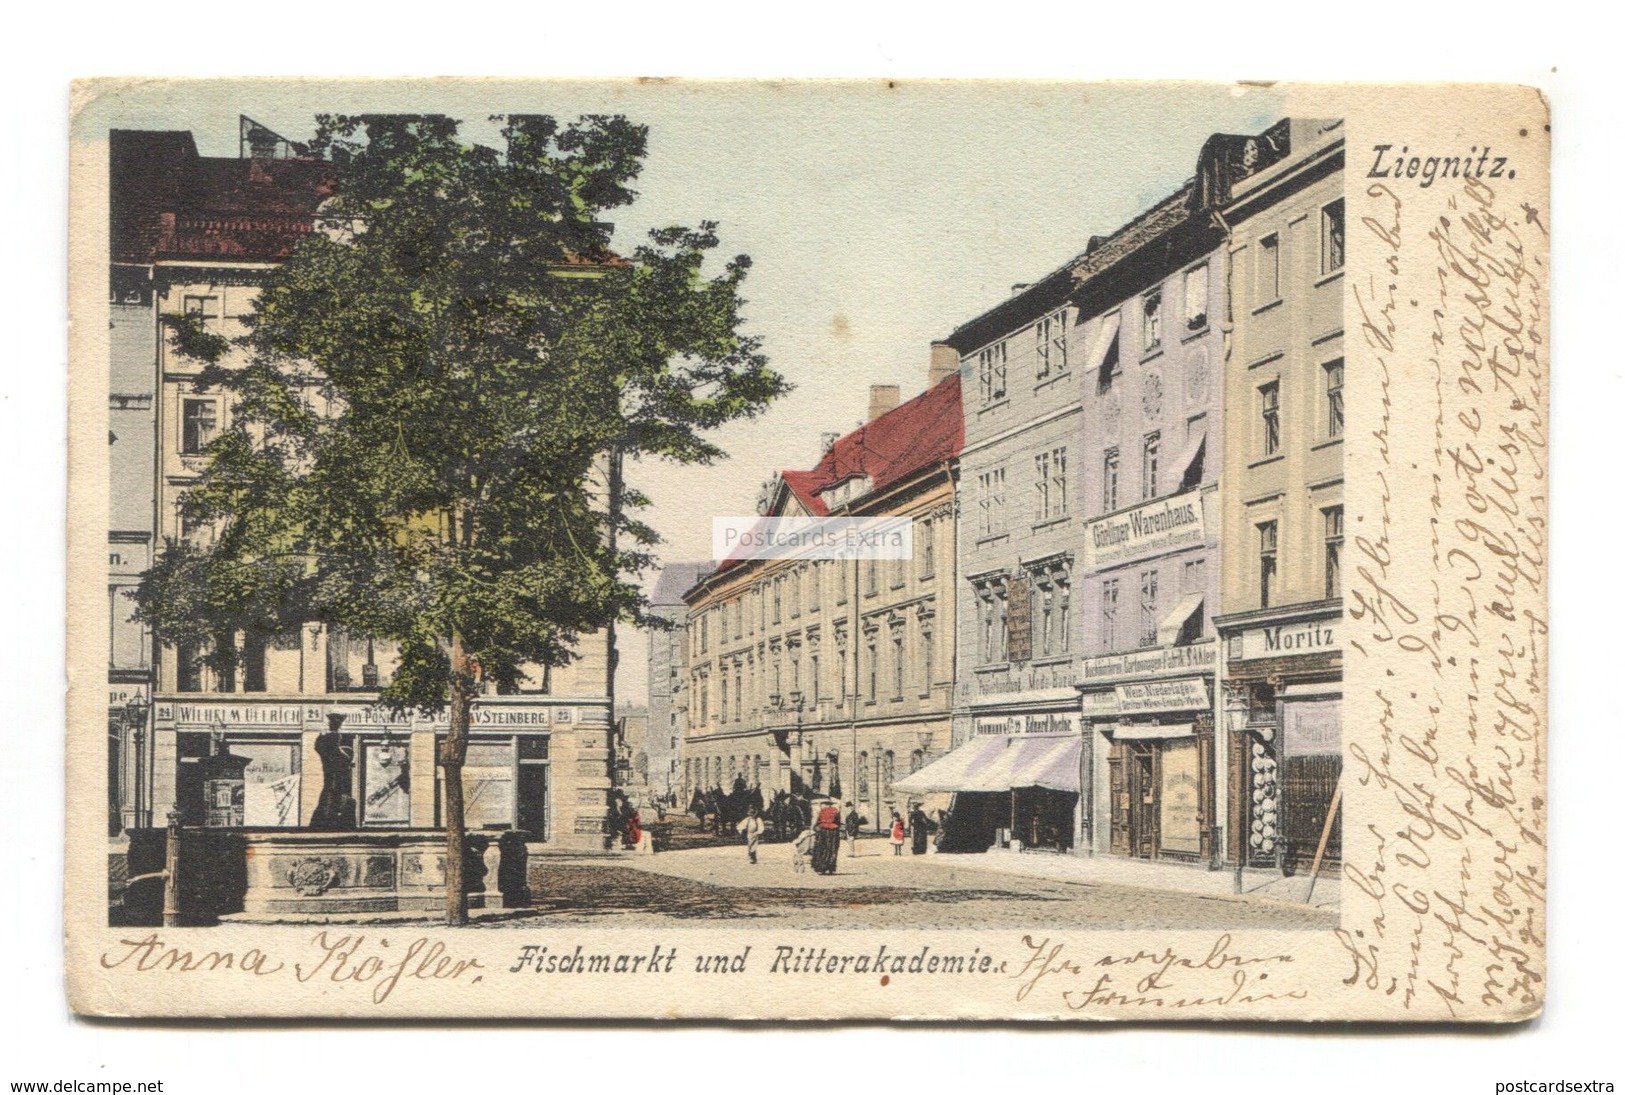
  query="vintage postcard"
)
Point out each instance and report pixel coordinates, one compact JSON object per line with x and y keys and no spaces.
{"x":795,"y":550}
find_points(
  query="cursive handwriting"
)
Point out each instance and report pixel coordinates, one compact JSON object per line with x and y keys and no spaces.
{"x":1218,"y":976}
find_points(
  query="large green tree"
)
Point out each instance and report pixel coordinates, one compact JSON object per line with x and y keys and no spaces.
{"x":438,"y":392}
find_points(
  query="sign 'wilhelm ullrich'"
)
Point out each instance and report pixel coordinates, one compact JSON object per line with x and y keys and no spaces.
{"x":1150,"y":529}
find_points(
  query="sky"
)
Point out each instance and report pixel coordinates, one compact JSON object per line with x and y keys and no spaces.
{"x":878,"y":215}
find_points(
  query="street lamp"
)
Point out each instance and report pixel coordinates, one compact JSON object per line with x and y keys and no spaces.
{"x":135,"y":719}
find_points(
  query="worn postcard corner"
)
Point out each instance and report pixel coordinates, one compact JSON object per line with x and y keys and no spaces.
{"x":652,"y":549}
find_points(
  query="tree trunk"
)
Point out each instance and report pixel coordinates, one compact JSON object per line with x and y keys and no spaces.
{"x":452,"y":754}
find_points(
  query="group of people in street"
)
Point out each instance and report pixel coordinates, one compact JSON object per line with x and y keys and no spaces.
{"x":820,"y":842}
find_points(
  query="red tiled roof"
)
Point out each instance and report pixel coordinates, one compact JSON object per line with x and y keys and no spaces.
{"x":927,"y":430}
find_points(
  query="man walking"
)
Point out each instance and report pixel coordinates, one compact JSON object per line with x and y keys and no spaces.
{"x":853,"y":823}
{"x":751,"y":829}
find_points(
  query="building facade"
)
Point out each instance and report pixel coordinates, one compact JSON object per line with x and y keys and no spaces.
{"x":835,"y":676}
{"x":539,"y":760}
{"x":668,"y":713}
{"x":1281,"y":658}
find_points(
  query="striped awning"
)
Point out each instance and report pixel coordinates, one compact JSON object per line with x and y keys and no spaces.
{"x":1000,"y":762}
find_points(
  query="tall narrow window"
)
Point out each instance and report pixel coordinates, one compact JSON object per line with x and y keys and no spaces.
{"x":1111,"y":361}
{"x":199,"y":421}
{"x":928,"y":557}
{"x":991,"y":364}
{"x":1269,"y":414}
{"x":1194,"y":581}
{"x":1046,"y":622}
{"x":840,"y":676}
{"x":1196,"y":298}
{"x":1050,"y":336}
{"x":1057,"y":482}
{"x":1331,"y":237}
{"x":1151,"y":320}
{"x":897,"y":666}
{"x":1063,"y":614}
{"x":1109,"y":590}
{"x":1268,"y":536}
{"x":1108,"y":481}
{"x":1041,"y":486}
{"x":927,"y":653}
{"x":1334,"y":398}
{"x":1269,"y":269}
{"x":1334,"y":551}
{"x":778,"y":599}
{"x":1150,"y":454}
{"x":1148,"y":608}
{"x":874,"y":671}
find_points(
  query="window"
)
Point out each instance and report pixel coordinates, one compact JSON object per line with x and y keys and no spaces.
{"x":1151,"y":320}
{"x":1269,"y":411}
{"x":1049,"y":485}
{"x":1331,"y":237}
{"x":871,"y":581}
{"x":1269,"y":269}
{"x":722,"y":697}
{"x":739,"y":692}
{"x":1334,"y":551}
{"x":1149,"y":618}
{"x":812,"y":682}
{"x":199,"y":420}
{"x":739,"y":617}
{"x":990,"y":503}
{"x":874,"y":675}
{"x":815,"y":586}
{"x":927,"y":651}
{"x":1109,"y":590}
{"x":840,"y":679}
{"x":1046,"y":623}
{"x":1268,"y":535}
{"x":928,"y":556}
{"x":899,"y":573}
{"x":897,"y":666}
{"x":206,"y":310}
{"x":1063,"y":616}
{"x":1108,"y":481}
{"x":990,"y":366}
{"x":1050,"y":333}
{"x":1334,"y":398}
{"x":1111,"y":362}
{"x":795,"y":593}
{"x":1150,"y":453}
{"x":1196,"y":298}
{"x":1195,"y":581}
{"x":778,"y":600}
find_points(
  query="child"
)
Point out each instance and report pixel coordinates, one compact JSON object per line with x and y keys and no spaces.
{"x":898,"y":833}
{"x":803,"y":847}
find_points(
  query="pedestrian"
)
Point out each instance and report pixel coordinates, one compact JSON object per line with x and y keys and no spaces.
{"x":803,"y":848}
{"x":854,"y":823}
{"x":898,"y":834}
{"x":920,"y":828}
{"x":751,"y":829}
{"x":826,"y":838}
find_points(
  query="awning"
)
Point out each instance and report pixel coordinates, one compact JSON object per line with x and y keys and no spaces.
{"x":1148,"y":731}
{"x":948,"y":773}
{"x":1173,"y":623}
{"x":1105,"y":338}
{"x":999,"y":762}
{"x":1300,"y":689}
{"x":1188,"y":455}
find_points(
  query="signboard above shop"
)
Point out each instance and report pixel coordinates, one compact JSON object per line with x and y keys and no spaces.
{"x":1287,"y":640}
{"x":1148,"y":697}
{"x":1152,"y":529}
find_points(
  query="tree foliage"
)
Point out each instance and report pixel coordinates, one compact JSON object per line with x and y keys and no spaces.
{"x":431,"y":392}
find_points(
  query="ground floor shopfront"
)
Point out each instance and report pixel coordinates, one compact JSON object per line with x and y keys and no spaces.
{"x":1152,"y":744}
{"x":537,"y":765}
{"x":859,"y":763}
{"x":1282,"y":681}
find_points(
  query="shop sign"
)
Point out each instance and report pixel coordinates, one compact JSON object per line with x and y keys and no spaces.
{"x":1145,"y":530}
{"x":1289,"y":640}
{"x":1147,"y":697}
{"x":529,"y":716}
{"x":118,"y":697}
{"x":1144,"y":663}
{"x":232,"y":714}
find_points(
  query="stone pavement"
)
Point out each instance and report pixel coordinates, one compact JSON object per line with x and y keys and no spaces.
{"x":726,"y":865}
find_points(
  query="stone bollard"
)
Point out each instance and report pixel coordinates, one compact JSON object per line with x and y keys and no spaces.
{"x":493,"y":865}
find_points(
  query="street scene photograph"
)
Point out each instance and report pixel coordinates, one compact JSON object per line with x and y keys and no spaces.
{"x":590,"y":507}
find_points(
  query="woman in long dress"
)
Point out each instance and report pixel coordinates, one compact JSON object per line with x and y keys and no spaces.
{"x":826,"y":838}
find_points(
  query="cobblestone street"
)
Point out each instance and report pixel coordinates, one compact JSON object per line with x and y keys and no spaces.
{"x":873,"y":890}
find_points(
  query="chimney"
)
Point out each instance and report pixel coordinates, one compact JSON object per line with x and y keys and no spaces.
{"x":882,"y":398}
{"x":944,"y":363}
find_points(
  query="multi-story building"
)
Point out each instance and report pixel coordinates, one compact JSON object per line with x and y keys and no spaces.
{"x":668,"y":714}
{"x":539,"y":759}
{"x":1281,"y":658}
{"x":835,"y":676}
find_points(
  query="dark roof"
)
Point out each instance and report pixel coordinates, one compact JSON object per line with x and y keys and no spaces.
{"x":675,"y":579}
{"x":927,"y":430}
{"x":168,"y":202}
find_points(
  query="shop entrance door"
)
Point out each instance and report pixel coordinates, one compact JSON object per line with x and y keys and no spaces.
{"x":1143,"y":800}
